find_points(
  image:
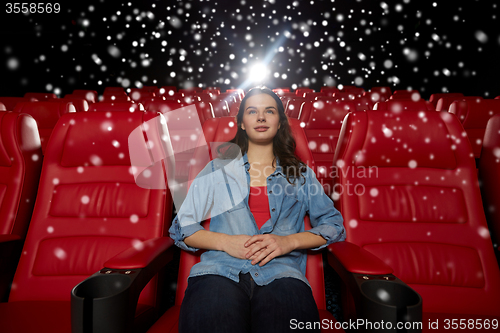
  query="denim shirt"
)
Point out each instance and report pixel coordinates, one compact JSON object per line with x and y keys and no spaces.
{"x":221,"y":193}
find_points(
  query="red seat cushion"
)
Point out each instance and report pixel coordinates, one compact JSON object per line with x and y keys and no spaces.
{"x":420,"y":211}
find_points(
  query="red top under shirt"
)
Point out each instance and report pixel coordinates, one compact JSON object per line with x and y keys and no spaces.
{"x":259,"y":204}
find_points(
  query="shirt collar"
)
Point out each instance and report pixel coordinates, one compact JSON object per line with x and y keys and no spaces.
{"x":279,"y":168}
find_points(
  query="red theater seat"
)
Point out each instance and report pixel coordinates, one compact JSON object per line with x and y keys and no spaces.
{"x":80,"y":104}
{"x":115,"y":96}
{"x":89,"y":95}
{"x":408,"y":192}
{"x":167,"y":91}
{"x":356,"y":91}
{"x":159,"y":105}
{"x":384,"y":92}
{"x":375,"y":96}
{"x":344,"y":96}
{"x":294,"y":106}
{"x":117,"y":106}
{"x":322,"y":128}
{"x":406,"y":94}
{"x":489,"y":175}
{"x":238,"y":93}
{"x":46,"y":115}
{"x":11,"y":102}
{"x":399,"y":105}
{"x":20,"y":166}
{"x":218,"y":130}
{"x":40,"y":96}
{"x":301,"y":92}
{"x":88,"y":210}
{"x":474,"y":115}
{"x":329,"y":91}
{"x":435,"y":98}
{"x":139,"y":94}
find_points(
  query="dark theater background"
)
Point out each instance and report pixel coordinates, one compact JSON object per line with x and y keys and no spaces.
{"x":430,"y":46}
{"x":422,"y":242}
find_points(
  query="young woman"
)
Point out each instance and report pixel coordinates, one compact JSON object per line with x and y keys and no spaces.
{"x":252,"y":276}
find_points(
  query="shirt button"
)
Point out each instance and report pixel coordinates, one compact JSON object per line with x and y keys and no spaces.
{"x":273,"y":209}
{"x":256,"y":274}
{"x":270,"y":179}
{"x":269,"y":193}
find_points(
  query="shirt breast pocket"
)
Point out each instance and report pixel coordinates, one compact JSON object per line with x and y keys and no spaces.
{"x":290,"y":214}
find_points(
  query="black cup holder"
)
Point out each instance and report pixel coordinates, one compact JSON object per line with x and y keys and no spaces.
{"x":102,"y":286}
{"x":391,"y":300}
{"x":101,"y":303}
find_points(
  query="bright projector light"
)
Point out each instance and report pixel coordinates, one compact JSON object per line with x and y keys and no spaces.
{"x":258,"y":73}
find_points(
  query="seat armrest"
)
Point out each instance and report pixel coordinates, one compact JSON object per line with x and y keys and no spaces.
{"x":107,"y":300}
{"x":141,"y":255}
{"x":378,"y":295}
{"x":357,"y":260}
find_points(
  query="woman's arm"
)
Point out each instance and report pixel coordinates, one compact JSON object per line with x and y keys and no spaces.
{"x":234,"y":245}
{"x":262,"y":248}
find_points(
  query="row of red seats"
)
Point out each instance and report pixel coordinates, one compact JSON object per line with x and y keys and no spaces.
{"x":438,"y":131}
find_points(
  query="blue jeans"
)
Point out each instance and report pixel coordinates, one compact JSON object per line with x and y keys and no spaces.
{"x":213,"y":303}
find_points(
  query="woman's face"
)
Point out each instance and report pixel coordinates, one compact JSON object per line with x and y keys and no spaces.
{"x":261,"y":119}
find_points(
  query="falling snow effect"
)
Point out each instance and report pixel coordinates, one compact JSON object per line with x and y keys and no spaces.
{"x":424,"y":46}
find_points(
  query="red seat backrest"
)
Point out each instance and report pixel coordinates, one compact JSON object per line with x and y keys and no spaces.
{"x":120,"y":106}
{"x":322,"y":129}
{"x":46,"y":115}
{"x":89,"y":95}
{"x":489,"y":175}
{"x":435,"y":98}
{"x":11,"y":102}
{"x":89,"y":207}
{"x":20,"y":166}
{"x":474,"y":115}
{"x":40,"y":96}
{"x":400,"y":105}
{"x":220,"y":130}
{"x":411,"y":197}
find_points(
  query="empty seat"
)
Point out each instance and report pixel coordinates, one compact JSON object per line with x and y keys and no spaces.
{"x":435,"y":98}
{"x":115,"y":96}
{"x":384,"y":92}
{"x":294,"y":106}
{"x":375,"y":96}
{"x":311,"y":96}
{"x":329,"y":91}
{"x":139,"y":94}
{"x":10,"y":102}
{"x":489,"y":175}
{"x":117,"y":106}
{"x":89,"y":209}
{"x":238,"y":93}
{"x":220,"y":108}
{"x":46,"y":115}
{"x":80,"y":104}
{"x":159,"y":105}
{"x":474,"y":115}
{"x":443,"y":103}
{"x":20,"y":166}
{"x":322,"y":128}
{"x":40,"y":96}
{"x":302,"y":91}
{"x":399,"y":105}
{"x":344,"y":95}
{"x":408,"y":191}
{"x":406,"y":94}
{"x":356,"y":91}
{"x":89,"y":95}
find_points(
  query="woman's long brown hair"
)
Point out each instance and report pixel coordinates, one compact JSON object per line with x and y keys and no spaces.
{"x":283,"y":142}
